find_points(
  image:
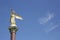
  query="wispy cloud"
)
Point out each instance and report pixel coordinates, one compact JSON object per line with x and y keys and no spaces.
{"x":49,"y":25}
{"x":45,"y":19}
{"x":52,"y":27}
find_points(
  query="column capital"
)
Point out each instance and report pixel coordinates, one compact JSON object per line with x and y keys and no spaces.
{"x":13,"y":28}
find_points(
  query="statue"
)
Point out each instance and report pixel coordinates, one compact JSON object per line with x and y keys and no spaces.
{"x":13,"y":16}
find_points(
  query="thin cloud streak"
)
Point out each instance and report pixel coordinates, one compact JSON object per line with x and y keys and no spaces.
{"x":44,"y":20}
{"x":50,"y":16}
{"x":52,"y":28}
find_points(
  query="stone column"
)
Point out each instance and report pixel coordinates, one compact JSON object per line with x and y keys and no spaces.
{"x":13,"y":30}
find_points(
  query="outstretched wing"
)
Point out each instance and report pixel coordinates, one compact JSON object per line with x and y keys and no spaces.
{"x":18,"y":17}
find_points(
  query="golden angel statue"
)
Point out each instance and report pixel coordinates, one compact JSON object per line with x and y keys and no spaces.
{"x":13,"y":16}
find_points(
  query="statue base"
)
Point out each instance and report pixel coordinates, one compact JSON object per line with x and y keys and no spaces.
{"x":13,"y":28}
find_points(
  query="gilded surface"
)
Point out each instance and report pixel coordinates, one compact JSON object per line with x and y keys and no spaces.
{"x":12,"y":18}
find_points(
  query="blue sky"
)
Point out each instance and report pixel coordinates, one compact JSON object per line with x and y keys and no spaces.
{"x":41,"y":19}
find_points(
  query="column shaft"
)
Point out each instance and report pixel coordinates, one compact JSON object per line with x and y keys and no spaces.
{"x":13,"y":36}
